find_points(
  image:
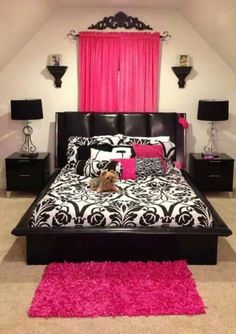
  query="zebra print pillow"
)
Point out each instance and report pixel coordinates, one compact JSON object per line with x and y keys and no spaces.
{"x":150,"y":167}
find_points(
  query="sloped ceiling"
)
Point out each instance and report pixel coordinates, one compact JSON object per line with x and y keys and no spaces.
{"x":19,"y":22}
{"x":213,"y":19}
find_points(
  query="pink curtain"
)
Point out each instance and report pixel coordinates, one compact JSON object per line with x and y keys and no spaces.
{"x":139,"y":58}
{"x":118,"y":71}
{"x":98,"y":66}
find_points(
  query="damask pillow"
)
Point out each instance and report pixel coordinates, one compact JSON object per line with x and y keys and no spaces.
{"x":148,"y":151}
{"x":74,"y":142}
{"x":169,"y":149}
{"x":150,"y":167}
{"x":113,"y":139}
{"x":117,"y":152}
{"x":144,"y":140}
{"x":93,"y":168}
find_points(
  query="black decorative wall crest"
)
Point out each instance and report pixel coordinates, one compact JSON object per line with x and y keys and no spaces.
{"x":120,"y":20}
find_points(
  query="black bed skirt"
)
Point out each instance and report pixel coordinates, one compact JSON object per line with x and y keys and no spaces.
{"x":194,"y":249}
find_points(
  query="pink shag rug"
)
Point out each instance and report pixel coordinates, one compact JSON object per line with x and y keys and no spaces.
{"x":94,"y":289}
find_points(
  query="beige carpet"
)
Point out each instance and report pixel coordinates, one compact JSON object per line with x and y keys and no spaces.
{"x":216,"y":284}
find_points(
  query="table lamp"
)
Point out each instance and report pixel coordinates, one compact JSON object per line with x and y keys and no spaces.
{"x":27,"y":110}
{"x":212,"y":111}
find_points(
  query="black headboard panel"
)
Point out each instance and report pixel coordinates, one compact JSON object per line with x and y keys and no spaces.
{"x":72,"y":123}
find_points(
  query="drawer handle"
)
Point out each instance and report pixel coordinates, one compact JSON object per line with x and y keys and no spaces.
{"x":24,"y":175}
{"x":214,"y":175}
{"x":215,"y":161}
{"x":25,"y":160}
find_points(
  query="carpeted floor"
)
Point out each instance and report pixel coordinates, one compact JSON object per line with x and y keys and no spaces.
{"x":216,"y":285}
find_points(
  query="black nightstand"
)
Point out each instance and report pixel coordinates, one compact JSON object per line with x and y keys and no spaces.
{"x":27,"y":174}
{"x":212,"y":175}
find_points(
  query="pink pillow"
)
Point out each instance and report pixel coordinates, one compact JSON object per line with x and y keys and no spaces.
{"x":148,"y":151}
{"x":128,"y":168}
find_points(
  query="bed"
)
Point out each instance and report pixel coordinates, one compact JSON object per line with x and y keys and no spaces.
{"x":134,"y":238}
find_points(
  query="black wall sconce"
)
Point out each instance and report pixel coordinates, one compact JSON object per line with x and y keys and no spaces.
{"x":183,"y":69}
{"x":181,"y":72}
{"x":57,"y":72}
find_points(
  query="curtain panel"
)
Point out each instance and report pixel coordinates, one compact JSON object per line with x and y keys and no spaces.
{"x":118,"y":72}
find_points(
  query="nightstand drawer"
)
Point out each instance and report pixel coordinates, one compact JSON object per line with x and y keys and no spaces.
{"x":24,"y":181}
{"x":212,"y":175}
{"x":214,"y":182}
{"x":24,"y":167}
{"x":27,"y":174}
{"x":214,"y":167}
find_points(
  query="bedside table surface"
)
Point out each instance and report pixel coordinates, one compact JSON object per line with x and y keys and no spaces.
{"x":17,"y":155}
{"x":222,"y":156}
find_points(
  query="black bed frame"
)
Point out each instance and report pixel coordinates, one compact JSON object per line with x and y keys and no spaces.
{"x":44,"y":245}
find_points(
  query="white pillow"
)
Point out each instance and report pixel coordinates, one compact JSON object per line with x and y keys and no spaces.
{"x":104,"y":155}
{"x":123,"y":150}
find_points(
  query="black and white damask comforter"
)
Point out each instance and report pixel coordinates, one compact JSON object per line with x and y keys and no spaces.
{"x":147,"y":202}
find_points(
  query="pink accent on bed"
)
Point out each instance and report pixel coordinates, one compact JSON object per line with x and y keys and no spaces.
{"x":106,"y":289}
{"x":182,"y":121}
{"x":148,"y":151}
{"x":118,"y":72}
{"x":128,"y":168}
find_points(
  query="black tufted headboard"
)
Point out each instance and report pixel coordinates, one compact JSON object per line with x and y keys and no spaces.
{"x":72,"y":123}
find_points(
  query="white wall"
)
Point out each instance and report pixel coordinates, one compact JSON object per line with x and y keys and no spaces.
{"x":26,"y":77}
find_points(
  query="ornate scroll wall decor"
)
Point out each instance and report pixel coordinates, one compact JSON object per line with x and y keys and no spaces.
{"x":120,"y":20}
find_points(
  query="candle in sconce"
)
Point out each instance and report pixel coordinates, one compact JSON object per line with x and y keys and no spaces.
{"x":183,"y":60}
{"x":55,"y":60}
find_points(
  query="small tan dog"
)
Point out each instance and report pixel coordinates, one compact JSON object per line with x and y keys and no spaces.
{"x":105,"y":182}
